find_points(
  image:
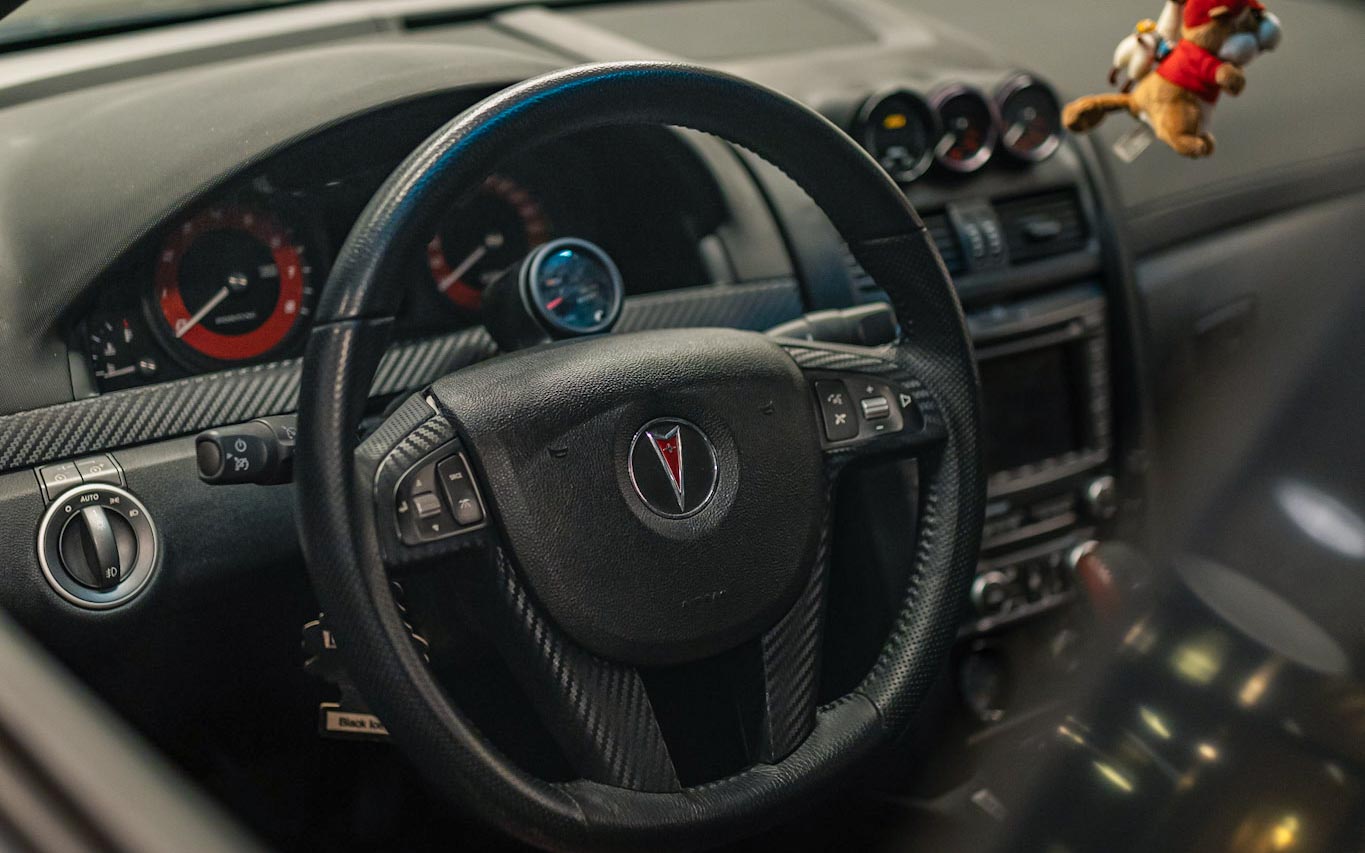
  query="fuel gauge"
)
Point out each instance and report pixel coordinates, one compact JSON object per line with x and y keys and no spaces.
{"x":117,"y":352}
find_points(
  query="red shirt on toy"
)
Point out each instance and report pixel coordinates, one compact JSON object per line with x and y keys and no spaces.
{"x":1192,"y":67}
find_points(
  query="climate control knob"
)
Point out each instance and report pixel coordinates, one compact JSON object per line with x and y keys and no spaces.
{"x":1102,"y":498}
{"x":990,"y":593}
{"x":97,"y":546}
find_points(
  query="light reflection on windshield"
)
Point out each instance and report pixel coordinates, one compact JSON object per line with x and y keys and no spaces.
{"x":45,"y":19}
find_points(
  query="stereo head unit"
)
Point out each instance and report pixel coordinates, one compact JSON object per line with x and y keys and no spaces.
{"x":1044,"y":389}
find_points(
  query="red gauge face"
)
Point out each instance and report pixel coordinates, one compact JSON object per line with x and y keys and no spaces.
{"x":968,"y":130}
{"x":1030,"y":120}
{"x":231,"y":284}
{"x":482,"y":238}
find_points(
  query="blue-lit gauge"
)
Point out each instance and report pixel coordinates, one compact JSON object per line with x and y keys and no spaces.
{"x":573,"y":287}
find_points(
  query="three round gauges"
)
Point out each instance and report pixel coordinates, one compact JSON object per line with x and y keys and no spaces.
{"x":958,"y":128}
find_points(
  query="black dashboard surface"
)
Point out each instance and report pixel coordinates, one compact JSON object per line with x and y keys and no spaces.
{"x":111,"y":143}
{"x":246,"y":88}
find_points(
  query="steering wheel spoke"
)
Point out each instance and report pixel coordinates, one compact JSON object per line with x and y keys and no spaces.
{"x":596,"y":710}
{"x":790,"y":653}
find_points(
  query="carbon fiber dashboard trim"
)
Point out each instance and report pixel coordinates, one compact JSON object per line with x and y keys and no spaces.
{"x":189,"y":405}
{"x":753,"y":307}
{"x":185,"y":406}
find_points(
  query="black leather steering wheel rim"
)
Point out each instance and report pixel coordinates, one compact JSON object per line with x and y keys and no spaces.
{"x":337,"y":519}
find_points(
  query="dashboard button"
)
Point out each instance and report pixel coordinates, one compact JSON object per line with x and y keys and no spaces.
{"x":58,"y":478}
{"x":98,"y":469}
{"x":836,"y":409}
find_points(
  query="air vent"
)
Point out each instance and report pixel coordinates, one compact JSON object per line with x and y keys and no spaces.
{"x":1040,"y":226}
{"x":946,"y":240}
{"x":939,"y":228}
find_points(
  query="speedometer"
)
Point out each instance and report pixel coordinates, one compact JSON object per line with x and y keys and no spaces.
{"x":231,"y":285}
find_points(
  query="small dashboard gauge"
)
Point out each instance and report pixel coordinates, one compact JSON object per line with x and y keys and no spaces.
{"x":968,"y":129}
{"x":1030,"y":118}
{"x":479,"y":240}
{"x":899,"y":129}
{"x":573,"y":287}
{"x":118,"y":351}
{"x":231,"y":285}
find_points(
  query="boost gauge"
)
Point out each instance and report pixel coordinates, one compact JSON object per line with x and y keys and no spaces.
{"x":231,"y":286}
{"x":1030,"y":119}
{"x":969,"y":134}
{"x":899,"y":130}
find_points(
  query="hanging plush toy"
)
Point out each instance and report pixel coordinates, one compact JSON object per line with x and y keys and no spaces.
{"x":1172,"y":70}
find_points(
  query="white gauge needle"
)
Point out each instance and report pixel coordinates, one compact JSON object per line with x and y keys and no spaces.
{"x":465,"y":266}
{"x":1016,"y":131}
{"x":202,"y":312}
{"x":945,"y":144}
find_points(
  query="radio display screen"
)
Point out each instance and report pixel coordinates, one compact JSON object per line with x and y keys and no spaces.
{"x":1031,"y":408}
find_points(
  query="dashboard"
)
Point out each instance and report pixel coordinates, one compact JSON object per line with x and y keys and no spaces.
{"x":231,"y":281}
{"x":162,"y":285}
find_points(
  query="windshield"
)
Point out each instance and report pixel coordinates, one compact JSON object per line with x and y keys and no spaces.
{"x":47,"y":20}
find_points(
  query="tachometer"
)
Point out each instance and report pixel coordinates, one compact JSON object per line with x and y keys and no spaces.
{"x":231,"y":285}
{"x":1030,"y":119}
{"x":482,"y":238}
{"x":968,"y":129}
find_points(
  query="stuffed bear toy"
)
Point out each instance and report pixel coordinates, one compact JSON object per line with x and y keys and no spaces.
{"x":1216,"y":38}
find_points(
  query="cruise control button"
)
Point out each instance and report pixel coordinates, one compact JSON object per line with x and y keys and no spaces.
{"x":876,"y":408}
{"x":421,"y":480}
{"x":437,"y":526}
{"x":458,"y":486}
{"x":467,"y":512}
{"x":837,"y":410}
{"x":426,"y":504}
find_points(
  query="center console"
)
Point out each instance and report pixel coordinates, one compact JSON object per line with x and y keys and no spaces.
{"x":1048,"y":443}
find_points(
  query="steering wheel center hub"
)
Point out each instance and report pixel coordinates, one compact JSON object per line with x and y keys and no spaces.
{"x":661,"y":492}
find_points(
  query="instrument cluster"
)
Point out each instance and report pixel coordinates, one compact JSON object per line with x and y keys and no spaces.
{"x":234,"y":280}
{"x":958,"y":128}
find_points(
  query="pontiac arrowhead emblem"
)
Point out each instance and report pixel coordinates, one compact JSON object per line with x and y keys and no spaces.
{"x":673,"y":467}
{"x":668,"y":445}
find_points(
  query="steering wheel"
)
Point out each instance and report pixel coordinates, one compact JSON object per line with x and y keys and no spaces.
{"x":639,"y":499}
